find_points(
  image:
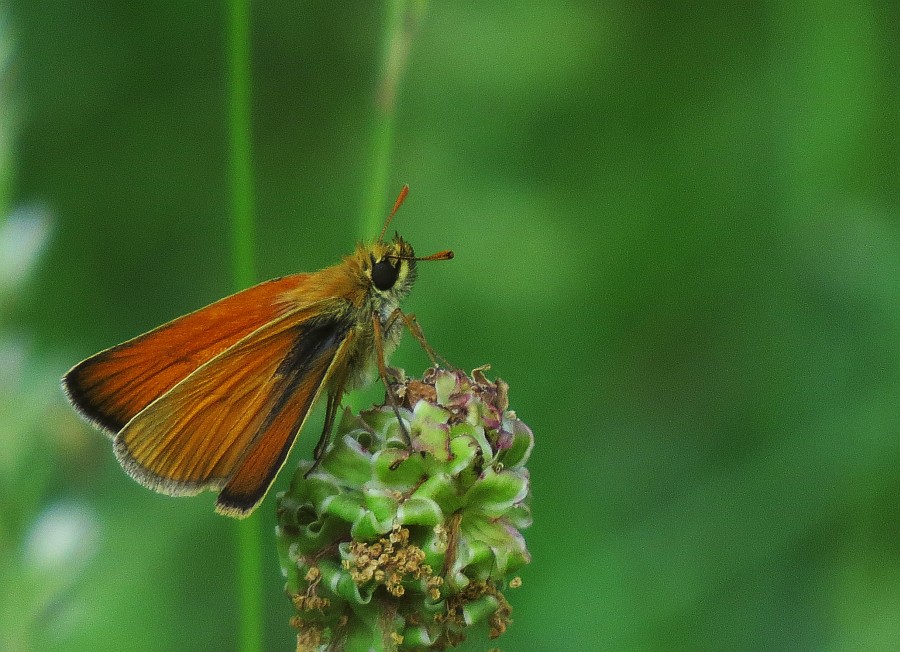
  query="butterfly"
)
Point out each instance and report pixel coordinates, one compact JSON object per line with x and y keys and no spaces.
{"x":214,"y":400}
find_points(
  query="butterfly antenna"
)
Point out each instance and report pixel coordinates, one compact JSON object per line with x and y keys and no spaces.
{"x":403,"y":193}
{"x":441,"y":255}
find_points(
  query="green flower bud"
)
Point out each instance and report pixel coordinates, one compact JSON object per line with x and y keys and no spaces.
{"x":405,"y":536}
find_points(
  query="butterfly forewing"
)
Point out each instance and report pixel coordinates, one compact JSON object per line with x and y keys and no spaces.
{"x":113,"y":386}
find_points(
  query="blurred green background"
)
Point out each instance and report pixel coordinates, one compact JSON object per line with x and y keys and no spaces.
{"x":677,"y":232}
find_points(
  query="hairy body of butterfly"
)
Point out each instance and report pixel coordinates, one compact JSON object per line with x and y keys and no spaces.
{"x":214,"y":400}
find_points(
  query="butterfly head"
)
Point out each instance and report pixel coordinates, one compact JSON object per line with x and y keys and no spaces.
{"x":390,"y":267}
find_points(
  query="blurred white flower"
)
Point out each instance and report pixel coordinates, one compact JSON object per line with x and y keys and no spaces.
{"x":62,"y":538}
{"x":12,"y":364}
{"x":23,"y":235}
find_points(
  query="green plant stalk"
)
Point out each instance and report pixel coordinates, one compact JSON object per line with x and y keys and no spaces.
{"x":401,"y":17}
{"x":400,"y":21}
{"x":241,"y":164}
{"x":8,"y":120}
{"x":249,"y":534}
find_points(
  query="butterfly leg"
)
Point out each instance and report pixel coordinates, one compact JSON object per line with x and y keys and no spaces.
{"x":412,"y":325}
{"x":331,"y":409}
{"x":382,"y":371}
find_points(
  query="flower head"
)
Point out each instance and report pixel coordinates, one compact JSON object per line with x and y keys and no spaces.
{"x":408,"y":533}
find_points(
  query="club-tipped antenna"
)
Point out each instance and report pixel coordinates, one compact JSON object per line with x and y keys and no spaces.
{"x":403,"y":193}
{"x":446,"y":254}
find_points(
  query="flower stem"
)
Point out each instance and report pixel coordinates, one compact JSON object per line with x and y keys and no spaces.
{"x":241,"y":163}
{"x":400,"y":21}
{"x":249,"y":535}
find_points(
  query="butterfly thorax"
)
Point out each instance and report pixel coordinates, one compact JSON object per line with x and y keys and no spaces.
{"x":374,"y":280}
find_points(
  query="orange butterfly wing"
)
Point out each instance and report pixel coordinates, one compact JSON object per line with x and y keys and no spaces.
{"x":231,"y":423}
{"x":112,"y":387}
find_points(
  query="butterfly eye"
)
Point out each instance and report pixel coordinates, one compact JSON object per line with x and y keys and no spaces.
{"x":384,"y":274}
